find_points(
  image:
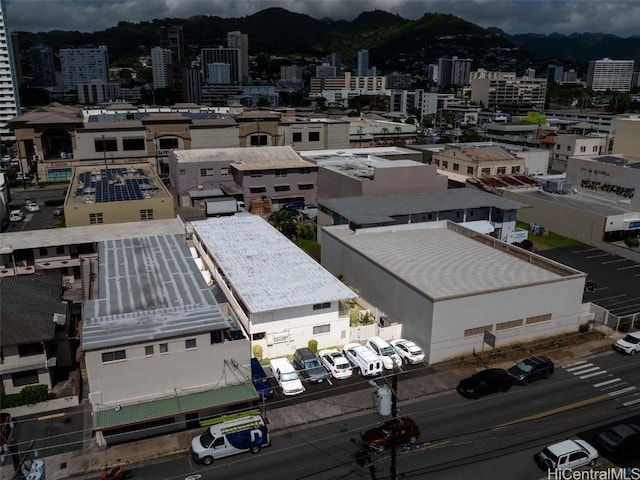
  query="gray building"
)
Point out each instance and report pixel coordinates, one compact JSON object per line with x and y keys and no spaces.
{"x":44,"y":72}
{"x":84,"y":65}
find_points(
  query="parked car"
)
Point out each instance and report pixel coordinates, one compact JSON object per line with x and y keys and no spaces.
{"x":286,"y":376}
{"x":24,"y":177}
{"x":363,"y":360}
{"x":567,"y":455}
{"x":487,"y":381}
{"x":532,"y":368}
{"x":380,"y":437}
{"x":260,"y":380}
{"x":390,"y":358}
{"x":408,"y":351}
{"x":309,"y":366}
{"x":620,"y":439}
{"x":32,"y":207}
{"x":335,"y":363}
{"x":294,"y":205}
{"x":16,"y":216}
{"x":58,"y":211}
{"x":6,"y":428}
{"x":630,"y":344}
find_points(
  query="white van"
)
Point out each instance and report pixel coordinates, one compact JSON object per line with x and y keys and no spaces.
{"x":228,"y":437}
{"x":286,"y":376}
{"x":390,"y":358}
{"x":364,"y":360}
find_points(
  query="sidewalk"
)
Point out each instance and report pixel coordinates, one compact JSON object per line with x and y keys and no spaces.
{"x":93,"y":459}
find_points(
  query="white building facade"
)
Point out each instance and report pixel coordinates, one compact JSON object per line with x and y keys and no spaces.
{"x":83,"y":65}
{"x":608,"y":74}
{"x":161,"y":58}
{"x":10,"y":104}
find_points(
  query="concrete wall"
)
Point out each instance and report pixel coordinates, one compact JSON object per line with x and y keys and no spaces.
{"x":536,"y":162}
{"x":249,"y":182}
{"x":332,"y":135}
{"x":226,"y":137}
{"x":141,"y":378}
{"x":77,"y":214}
{"x":627,"y":133}
{"x":14,"y":363}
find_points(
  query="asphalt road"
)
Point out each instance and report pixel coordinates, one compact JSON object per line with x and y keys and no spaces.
{"x":491,"y":438}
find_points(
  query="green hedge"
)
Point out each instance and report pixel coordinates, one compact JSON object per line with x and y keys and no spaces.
{"x":27,"y":396}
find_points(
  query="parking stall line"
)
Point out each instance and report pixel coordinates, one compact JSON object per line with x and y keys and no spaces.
{"x":601,"y":372}
{"x":620,"y":392}
{"x":637,"y":265}
{"x":631,"y":402}
{"x":598,"y":256}
{"x":615,"y":261}
{"x":608,"y":382}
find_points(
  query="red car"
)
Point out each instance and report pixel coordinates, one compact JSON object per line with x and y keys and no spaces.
{"x":380,"y":437}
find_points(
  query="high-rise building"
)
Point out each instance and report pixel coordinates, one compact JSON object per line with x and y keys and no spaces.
{"x":42,"y":66}
{"x":555,"y":73}
{"x":172,"y":38}
{"x":508,"y":90}
{"x":334,"y":60}
{"x":83,"y":65}
{"x":161,"y":58}
{"x":608,"y":74}
{"x":10,"y":104}
{"x":454,"y":71}
{"x":325,"y":71}
{"x":218,"y":73}
{"x":363,"y":64}
{"x":240,"y":41}
{"x":291,"y":72}
{"x":530,"y":73}
{"x":221,"y":55}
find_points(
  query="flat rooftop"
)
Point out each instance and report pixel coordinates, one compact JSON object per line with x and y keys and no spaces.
{"x":585,"y":202}
{"x":246,"y":158}
{"x":357,"y":152}
{"x":444,"y":260}
{"x":267,"y":270}
{"x":381,"y":208}
{"x":150,"y":288}
{"x":363,"y":168}
{"x":10,"y":242}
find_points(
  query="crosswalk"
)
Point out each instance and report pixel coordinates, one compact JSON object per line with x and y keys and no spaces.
{"x":606,"y":382}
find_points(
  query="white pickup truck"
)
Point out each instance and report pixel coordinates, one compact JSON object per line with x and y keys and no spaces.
{"x":286,"y":376}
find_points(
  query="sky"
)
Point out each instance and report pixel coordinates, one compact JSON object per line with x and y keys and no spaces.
{"x":619,"y":17}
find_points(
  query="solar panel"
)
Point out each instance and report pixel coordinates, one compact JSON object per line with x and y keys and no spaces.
{"x":114,"y":185}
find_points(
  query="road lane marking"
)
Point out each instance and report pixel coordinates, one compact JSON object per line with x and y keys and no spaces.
{"x":601,"y":372}
{"x":637,"y":265}
{"x":620,"y":392}
{"x":631,"y":402}
{"x":615,"y":261}
{"x":602,"y":384}
{"x":49,"y":417}
{"x":564,"y":408}
{"x":587,"y":370}
{"x":579,"y":362}
{"x":586,"y":365}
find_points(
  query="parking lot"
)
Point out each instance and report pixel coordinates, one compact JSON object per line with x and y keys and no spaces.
{"x":41,"y":220}
{"x":617,"y":278}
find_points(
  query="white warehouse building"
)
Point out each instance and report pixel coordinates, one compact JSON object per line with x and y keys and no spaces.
{"x":282,"y":296}
{"x":448,"y":285}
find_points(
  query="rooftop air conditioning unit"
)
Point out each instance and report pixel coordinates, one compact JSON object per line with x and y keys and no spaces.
{"x":200,"y":187}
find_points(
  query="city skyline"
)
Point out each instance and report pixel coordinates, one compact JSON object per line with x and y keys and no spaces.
{"x":512,"y":16}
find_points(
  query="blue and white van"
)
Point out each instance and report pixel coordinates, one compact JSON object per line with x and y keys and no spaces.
{"x":228,"y":437}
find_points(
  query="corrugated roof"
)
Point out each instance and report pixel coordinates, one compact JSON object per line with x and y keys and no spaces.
{"x":267,"y":270}
{"x":27,"y":307}
{"x":168,"y":407}
{"x":441,"y":263}
{"x":381,"y":208}
{"x":150,"y":288}
{"x":246,"y":158}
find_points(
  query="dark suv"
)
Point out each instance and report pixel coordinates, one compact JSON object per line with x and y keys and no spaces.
{"x":309,"y":366}
{"x":532,"y":368}
{"x":380,"y":437}
{"x":485,"y":382}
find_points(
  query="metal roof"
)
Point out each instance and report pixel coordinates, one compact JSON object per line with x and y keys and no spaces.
{"x":150,"y":288}
{"x":382,"y":208}
{"x":582,"y":201}
{"x":246,"y":158}
{"x":363,"y":168}
{"x":267,"y":270}
{"x":437,"y":260}
{"x":168,"y":407}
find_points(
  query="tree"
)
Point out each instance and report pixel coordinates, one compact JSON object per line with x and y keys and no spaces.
{"x":264,"y":102}
{"x":286,"y":221}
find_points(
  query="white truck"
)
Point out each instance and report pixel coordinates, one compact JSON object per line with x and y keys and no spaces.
{"x":225,"y":437}
{"x":286,"y":376}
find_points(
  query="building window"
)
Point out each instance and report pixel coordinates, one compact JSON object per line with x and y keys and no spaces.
{"x":485,"y":172}
{"x":148,"y":350}
{"x":164,"y":348}
{"x":305,"y":186}
{"x":595,"y":148}
{"x":183,"y":172}
{"x":146,"y":214}
{"x":43,"y":251}
{"x":322,"y":306}
{"x":30,"y":349}
{"x":511,"y":324}
{"x":557,"y":147}
{"x":190,"y":343}
{"x":280,"y":173}
{"x":539,"y":318}
{"x":297,"y":136}
{"x":456,"y":167}
{"x":257,"y":189}
{"x":256,"y":173}
{"x":258,"y":336}
{"x":28,"y":377}
{"x":133,"y":144}
{"x":114,"y":356}
{"x":583,"y":149}
{"x":224,"y":171}
{"x":95,"y":218}
{"x":60,"y":250}
{"x":568,"y":148}
{"x":305,"y":171}
{"x":445,"y":164}
{"x":206,"y":172}
{"x":217,"y":336}
{"x":470,"y":171}
{"x":258,"y":140}
{"x":168,"y":143}
{"x":471,"y":332}
{"x":314,"y":136}
{"x":319,"y":329}
{"x":515,"y":169}
{"x":502,"y":170}
{"x":281,"y":188}
{"x":436,"y":162}
{"x":105,"y":145}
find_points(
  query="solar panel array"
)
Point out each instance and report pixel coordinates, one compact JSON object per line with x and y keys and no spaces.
{"x":114,"y":185}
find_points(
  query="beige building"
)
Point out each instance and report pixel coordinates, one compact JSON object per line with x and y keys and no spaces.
{"x":627,"y":135}
{"x":478,"y":160}
{"x":567,"y":146}
{"x":127,"y":193}
{"x":495,"y":92}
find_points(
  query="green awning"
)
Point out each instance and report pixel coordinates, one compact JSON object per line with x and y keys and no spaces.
{"x":169,"y":407}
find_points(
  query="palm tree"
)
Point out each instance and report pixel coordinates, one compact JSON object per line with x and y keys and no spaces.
{"x":286,"y":221}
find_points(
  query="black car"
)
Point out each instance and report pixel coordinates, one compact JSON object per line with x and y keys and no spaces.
{"x":294,"y":205}
{"x":621,"y":439}
{"x":532,"y":368}
{"x":485,"y":382}
{"x":309,"y":366}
